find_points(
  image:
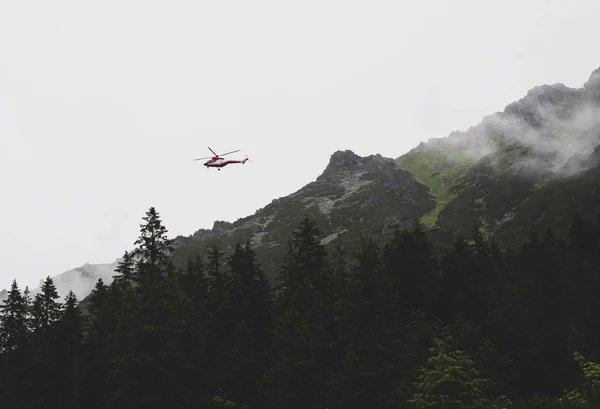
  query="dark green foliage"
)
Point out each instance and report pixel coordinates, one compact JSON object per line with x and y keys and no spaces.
{"x":13,"y":320}
{"x":386,"y":326}
{"x":448,"y":379}
{"x":46,"y":309}
{"x":153,"y":244}
{"x":553,"y":206}
{"x":15,"y":344}
{"x":304,"y":333}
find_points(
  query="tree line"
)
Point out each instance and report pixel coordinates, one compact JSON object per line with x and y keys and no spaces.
{"x":390,"y":326}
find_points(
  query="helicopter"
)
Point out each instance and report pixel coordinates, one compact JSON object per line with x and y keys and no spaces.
{"x":218,"y":162}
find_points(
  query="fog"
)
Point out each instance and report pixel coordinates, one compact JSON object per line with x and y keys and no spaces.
{"x":104,"y":105}
{"x":560,"y":126}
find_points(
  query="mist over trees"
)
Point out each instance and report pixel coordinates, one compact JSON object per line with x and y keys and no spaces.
{"x":389,"y":326}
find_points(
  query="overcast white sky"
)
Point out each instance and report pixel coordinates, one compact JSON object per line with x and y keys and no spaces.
{"x":103,"y":105}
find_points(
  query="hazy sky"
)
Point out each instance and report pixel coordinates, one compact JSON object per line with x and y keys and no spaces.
{"x":103,"y":105}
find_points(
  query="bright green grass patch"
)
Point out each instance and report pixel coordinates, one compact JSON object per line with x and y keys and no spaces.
{"x":436,"y":170}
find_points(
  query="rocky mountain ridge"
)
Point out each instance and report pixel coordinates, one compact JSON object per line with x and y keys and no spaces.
{"x":81,"y":280}
{"x":353,"y":194}
{"x":482,"y":176}
{"x":523,"y":168}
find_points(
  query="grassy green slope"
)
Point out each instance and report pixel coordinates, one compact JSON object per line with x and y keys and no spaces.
{"x":470,"y":194}
{"x":491,"y":191}
{"x":435,"y":169}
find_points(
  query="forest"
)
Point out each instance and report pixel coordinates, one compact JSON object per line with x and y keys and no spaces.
{"x":391,"y":326}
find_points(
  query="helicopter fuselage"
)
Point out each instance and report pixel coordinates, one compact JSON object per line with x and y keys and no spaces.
{"x":220,"y":162}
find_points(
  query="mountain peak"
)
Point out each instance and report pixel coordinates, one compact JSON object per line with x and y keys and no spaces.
{"x":594,"y":75}
{"x":221,"y":225}
{"x":592,"y":85}
{"x":343,"y":163}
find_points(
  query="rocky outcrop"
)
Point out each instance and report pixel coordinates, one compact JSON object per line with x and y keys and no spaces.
{"x":353,"y":194}
{"x":346,"y":165}
{"x":399,"y":222}
{"x":343,"y":164}
{"x":221,"y":226}
{"x":575,"y":163}
{"x":592,"y":86}
{"x":594,"y":159}
{"x":479,"y":175}
{"x":545,"y":102}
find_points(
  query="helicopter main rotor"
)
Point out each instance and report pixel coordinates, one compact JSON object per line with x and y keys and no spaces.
{"x":216,"y":155}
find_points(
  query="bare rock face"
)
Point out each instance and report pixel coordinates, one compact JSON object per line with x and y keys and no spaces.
{"x":220,"y":226}
{"x":573,"y":165}
{"x":399,"y":222}
{"x":477,"y":176}
{"x":592,"y":86}
{"x":544,"y":101}
{"x":346,"y":165}
{"x":594,"y":159}
{"x":201,"y":234}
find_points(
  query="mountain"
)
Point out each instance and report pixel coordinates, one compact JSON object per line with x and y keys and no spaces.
{"x":528,"y":167}
{"x":353,"y":195}
{"x":521,"y":169}
{"x":80,"y":280}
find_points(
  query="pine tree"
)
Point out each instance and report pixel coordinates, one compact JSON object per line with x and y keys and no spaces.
{"x":29,"y":305}
{"x":302,"y":374}
{"x":368,"y":306}
{"x":96,"y":352}
{"x":46,"y":310}
{"x":250,"y":318}
{"x":194,"y":374}
{"x":13,"y":320}
{"x":67,"y":353}
{"x":153,"y":244}
{"x":149,"y":328}
{"x":448,"y":380}
{"x":125,"y":271}
{"x":14,"y":343}
{"x":153,"y":251}
{"x":410,"y":264}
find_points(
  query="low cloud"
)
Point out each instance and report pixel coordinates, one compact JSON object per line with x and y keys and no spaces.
{"x":560,"y":126}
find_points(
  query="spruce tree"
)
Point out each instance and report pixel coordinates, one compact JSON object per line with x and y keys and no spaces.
{"x":125,"y":271}
{"x":46,"y":310}
{"x":29,"y":304}
{"x":67,"y":353}
{"x":368,"y":310}
{"x":13,"y":320}
{"x":14,"y":352}
{"x":410,"y":264}
{"x":250,"y":321}
{"x":153,"y":244}
{"x":96,"y":356}
{"x":301,"y":376}
{"x":194,"y":374}
{"x":448,"y":379}
{"x":149,"y":327}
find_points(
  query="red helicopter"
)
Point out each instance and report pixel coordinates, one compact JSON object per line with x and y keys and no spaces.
{"x":218,"y":162}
